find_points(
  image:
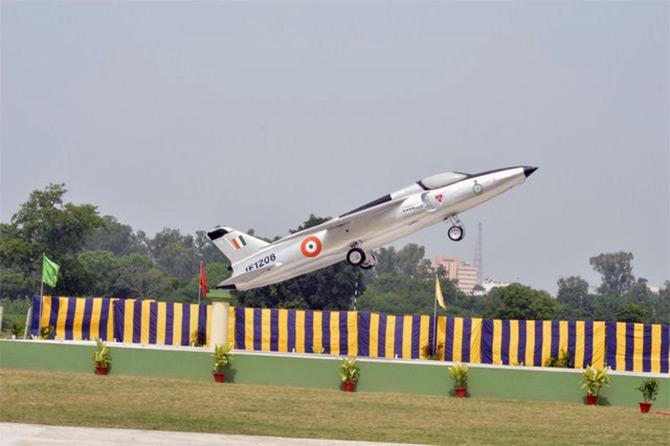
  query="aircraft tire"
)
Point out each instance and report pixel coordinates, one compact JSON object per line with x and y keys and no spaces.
{"x":356,"y":257}
{"x":456,"y":233}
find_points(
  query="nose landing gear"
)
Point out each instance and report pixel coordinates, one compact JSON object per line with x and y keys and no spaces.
{"x":456,"y":231}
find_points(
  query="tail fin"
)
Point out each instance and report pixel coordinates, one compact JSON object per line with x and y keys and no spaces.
{"x":235,"y":245}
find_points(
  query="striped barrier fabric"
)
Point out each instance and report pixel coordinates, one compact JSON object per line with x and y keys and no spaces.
{"x":74,"y":318}
{"x":619,"y":345}
{"x":638,"y":347}
{"x":396,"y":336}
{"x":300,"y":331}
{"x":473,"y":340}
{"x":123,"y":320}
{"x":532,"y":343}
{"x":165,"y":323}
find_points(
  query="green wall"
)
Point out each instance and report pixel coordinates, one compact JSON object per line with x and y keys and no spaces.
{"x":383,"y":376}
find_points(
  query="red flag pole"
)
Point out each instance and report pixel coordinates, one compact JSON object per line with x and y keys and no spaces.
{"x":202,"y":287}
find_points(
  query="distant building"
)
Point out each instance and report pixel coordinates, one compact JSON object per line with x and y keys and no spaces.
{"x":464,"y":274}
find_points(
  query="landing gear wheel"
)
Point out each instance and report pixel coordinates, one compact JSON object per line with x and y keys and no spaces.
{"x":370,"y":261}
{"x":456,"y":233}
{"x":355,"y":256}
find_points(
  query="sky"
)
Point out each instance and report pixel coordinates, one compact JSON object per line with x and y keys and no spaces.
{"x":253,"y":115}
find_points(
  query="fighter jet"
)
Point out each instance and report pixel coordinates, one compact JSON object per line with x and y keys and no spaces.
{"x":353,"y":236}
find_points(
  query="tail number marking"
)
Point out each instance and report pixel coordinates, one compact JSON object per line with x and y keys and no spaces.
{"x":260,"y":263}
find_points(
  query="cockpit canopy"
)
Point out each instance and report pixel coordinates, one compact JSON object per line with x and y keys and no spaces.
{"x":442,"y":179}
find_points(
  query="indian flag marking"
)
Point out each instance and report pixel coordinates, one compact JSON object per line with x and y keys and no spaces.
{"x":238,"y":242}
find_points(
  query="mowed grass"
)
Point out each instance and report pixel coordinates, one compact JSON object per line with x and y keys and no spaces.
{"x":181,"y":405}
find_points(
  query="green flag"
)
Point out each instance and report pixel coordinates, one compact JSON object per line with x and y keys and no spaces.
{"x":49,"y":271}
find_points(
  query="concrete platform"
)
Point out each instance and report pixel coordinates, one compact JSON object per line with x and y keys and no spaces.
{"x":15,"y":434}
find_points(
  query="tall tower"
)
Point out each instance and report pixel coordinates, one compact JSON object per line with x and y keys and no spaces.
{"x":477,"y":261}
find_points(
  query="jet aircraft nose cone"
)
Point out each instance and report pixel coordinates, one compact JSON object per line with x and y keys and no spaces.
{"x":528,"y":170}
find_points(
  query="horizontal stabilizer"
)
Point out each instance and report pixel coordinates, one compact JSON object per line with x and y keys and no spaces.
{"x":246,"y":276}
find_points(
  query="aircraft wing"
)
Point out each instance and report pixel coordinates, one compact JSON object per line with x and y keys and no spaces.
{"x":366,"y":211}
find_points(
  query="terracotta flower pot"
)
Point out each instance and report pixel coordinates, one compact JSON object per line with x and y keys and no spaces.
{"x":644,"y":407}
{"x":100,"y":369}
{"x":218,"y":377}
{"x":592,"y":400}
{"x":460,"y":392}
{"x":348,"y":386}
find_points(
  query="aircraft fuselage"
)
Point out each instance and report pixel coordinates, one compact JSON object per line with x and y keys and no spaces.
{"x":384,"y":221}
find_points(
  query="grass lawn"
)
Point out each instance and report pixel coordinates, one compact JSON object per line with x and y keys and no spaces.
{"x":182,"y":405}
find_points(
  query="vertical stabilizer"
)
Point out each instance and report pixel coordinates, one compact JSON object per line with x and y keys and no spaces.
{"x":234,"y":244}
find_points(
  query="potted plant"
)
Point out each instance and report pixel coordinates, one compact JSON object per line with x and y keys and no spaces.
{"x":102,"y":358}
{"x":649,"y":389}
{"x":349,"y":373}
{"x":222,"y":357}
{"x":459,"y":374}
{"x":593,"y":379}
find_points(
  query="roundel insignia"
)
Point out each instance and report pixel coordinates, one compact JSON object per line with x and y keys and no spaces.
{"x":477,"y":188}
{"x":311,"y":247}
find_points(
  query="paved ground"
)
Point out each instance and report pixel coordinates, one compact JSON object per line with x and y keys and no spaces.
{"x":14,"y":434}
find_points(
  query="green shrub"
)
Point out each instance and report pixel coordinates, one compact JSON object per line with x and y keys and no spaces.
{"x":222,"y":357}
{"x":47,"y":332}
{"x":349,"y":370}
{"x":564,"y":360}
{"x":432,"y":353}
{"x":103,"y":355}
{"x":459,"y":374}
{"x":17,"y":329}
{"x":649,"y":389}
{"x":593,"y":379}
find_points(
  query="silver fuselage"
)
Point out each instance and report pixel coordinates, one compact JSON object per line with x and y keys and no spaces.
{"x":417,"y":209}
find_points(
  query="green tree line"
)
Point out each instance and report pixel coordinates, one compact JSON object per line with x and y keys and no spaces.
{"x":101,"y":256}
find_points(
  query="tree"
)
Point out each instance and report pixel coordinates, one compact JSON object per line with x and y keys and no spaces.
{"x":168,"y":237}
{"x":409,"y":258}
{"x":115,"y":237}
{"x":140,"y":279}
{"x":518,"y":301}
{"x":13,"y":284}
{"x":178,"y":260}
{"x":387,"y":261}
{"x":632,"y":313}
{"x":616,"y":271}
{"x":639,"y":292}
{"x":44,"y":224}
{"x":102,"y":267}
{"x":573,"y":291}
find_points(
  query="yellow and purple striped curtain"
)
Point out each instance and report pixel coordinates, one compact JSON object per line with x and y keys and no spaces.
{"x":638,"y":347}
{"x":301,"y":331}
{"x":532,"y":343}
{"x":398,"y":336}
{"x":623,"y":346}
{"x":74,"y":318}
{"x":163,"y":323}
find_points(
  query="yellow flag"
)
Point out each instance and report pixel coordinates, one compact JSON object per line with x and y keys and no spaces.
{"x":438,"y":293}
